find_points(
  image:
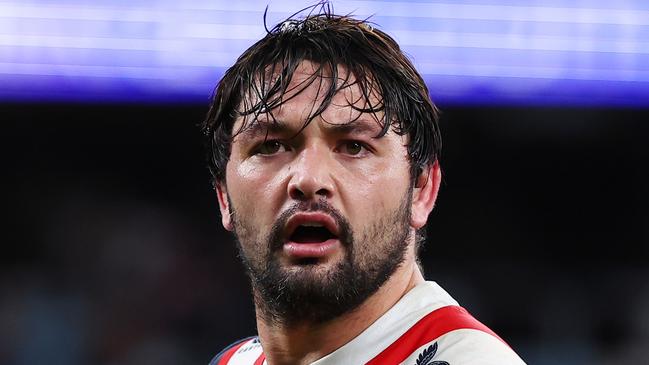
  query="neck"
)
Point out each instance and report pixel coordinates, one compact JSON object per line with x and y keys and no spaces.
{"x":305,"y":343}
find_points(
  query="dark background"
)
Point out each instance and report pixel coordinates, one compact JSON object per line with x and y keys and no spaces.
{"x":113,"y":252}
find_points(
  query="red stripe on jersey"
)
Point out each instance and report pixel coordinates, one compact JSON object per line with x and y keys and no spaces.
{"x":432,"y":326}
{"x":260,"y":359}
{"x":228,"y":354}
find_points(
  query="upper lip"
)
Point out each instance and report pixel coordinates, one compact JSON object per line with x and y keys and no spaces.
{"x":298,"y":219}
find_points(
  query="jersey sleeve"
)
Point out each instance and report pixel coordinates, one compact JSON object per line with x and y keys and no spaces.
{"x":224,"y":356}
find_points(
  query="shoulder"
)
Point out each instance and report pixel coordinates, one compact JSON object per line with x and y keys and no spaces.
{"x":247,"y":351}
{"x":449,"y":335}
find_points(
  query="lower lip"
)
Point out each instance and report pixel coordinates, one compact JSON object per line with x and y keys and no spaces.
{"x":311,"y":250}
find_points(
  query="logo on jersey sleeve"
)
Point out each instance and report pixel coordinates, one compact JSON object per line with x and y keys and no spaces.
{"x":426,"y":357}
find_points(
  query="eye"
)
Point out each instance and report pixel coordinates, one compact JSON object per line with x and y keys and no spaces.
{"x":352,"y":148}
{"x":270,"y":147}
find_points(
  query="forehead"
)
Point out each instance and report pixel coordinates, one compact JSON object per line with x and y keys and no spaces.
{"x":312,"y":91}
{"x":312,"y":80}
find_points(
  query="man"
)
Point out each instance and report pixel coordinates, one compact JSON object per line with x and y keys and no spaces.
{"x":323,"y":145}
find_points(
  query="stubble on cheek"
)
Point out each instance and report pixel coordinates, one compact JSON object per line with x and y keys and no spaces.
{"x":249,"y":240}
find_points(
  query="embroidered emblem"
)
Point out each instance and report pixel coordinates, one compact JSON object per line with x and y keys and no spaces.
{"x":426,"y":356}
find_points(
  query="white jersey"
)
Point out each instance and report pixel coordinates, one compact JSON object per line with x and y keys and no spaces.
{"x":426,"y":327}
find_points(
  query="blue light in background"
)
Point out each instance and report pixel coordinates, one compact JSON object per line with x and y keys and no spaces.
{"x":469,"y":52}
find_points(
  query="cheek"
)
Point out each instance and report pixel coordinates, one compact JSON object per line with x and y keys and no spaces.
{"x":376,"y":189}
{"x":254,"y":190}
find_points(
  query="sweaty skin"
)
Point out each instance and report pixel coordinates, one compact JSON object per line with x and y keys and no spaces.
{"x":362,"y":177}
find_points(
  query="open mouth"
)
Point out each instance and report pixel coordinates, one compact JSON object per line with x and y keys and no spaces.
{"x":311,"y":233}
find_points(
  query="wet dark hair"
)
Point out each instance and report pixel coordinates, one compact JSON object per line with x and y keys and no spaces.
{"x":259,"y":82}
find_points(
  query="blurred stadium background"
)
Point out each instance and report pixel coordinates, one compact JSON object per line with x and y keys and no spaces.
{"x":113,"y":251}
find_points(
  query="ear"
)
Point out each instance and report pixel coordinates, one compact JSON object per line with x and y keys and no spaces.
{"x":424,"y":194}
{"x":224,"y":205}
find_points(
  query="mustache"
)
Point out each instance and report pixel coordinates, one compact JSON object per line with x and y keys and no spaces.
{"x":276,"y":239}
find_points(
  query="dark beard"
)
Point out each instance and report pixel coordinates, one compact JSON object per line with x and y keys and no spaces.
{"x":311,"y":294}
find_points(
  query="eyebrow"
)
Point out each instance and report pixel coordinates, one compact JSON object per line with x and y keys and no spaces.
{"x":263,"y":128}
{"x":358,"y":126}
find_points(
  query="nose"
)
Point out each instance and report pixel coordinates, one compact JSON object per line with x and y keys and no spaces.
{"x":311,"y":175}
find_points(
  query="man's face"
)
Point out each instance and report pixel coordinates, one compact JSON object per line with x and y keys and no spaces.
{"x":323,"y":216}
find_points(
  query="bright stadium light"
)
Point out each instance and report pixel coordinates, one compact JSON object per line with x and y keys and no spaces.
{"x":504,"y":52}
